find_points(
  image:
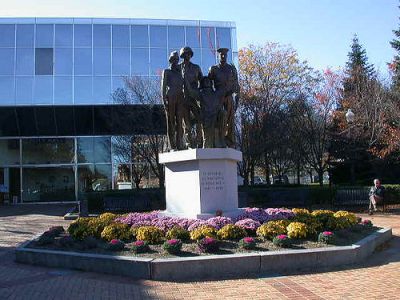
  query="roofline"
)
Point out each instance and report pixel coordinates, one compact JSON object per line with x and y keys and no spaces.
{"x":115,"y":21}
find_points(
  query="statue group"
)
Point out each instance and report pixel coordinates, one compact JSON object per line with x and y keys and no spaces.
{"x":200,"y":109}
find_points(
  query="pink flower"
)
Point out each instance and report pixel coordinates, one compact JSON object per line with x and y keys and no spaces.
{"x":327,"y":233}
{"x":366,"y":221}
{"x":173,"y":242}
{"x":282,"y":236}
{"x":114,"y":242}
{"x":248,"y":240}
{"x":208,"y":240}
{"x":138,"y":243}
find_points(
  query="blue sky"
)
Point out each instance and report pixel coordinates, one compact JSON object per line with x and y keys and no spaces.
{"x":320,"y":30}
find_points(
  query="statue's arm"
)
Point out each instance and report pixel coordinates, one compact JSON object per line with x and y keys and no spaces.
{"x":164,"y":87}
{"x":194,"y":93}
{"x":236,"y":87}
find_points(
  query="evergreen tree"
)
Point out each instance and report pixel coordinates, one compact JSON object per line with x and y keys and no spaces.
{"x":395,"y":66}
{"x":358,"y":60}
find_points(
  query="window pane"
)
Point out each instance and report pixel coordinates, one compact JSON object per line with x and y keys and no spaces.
{"x":83,"y":35}
{"x":158,"y":36}
{"x":63,"y":36}
{"x":120,"y":61}
{"x":48,"y":184}
{"x":122,"y":149}
{"x":25,"y":35}
{"x":7,"y":90}
{"x":102,"y":150}
{"x":102,"y":61}
{"x":117,"y":83}
{"x":63,"y":61}
{"x":83,"y":61}
{"x":47,"y":151}
{"x":85,"y":150}
{"x":24,"y":61}
{"x":193,"y":37}
{"x":24,"y":86}
{"x":140,"y":61}
{"x":63,"y":90}
{"x":139,"y":36}
{"x":7,"y":35}
{"x":9,"y":152}
{"x":158,"y":61}
{"x":83,"y":89}
{"x":85,"y":178}
{"x":120,"y":36}
{"x":101,"y":36}
{"x":122,"y":177}
{"x":44,"y":36}
{"x":208,"y":38}
{"x":7,"y":61}
{"x":43,"y":91}
{"x":176,"y":37}
{"x":103,"y":178}
{"x":101,"y":89}
{"x":223,"y":38}
{"x":208,"y":59}
{"x":44,"y":61}
{"x":94,"y":150}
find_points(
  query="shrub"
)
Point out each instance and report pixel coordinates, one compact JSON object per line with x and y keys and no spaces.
{"x":300,"y":211}
{"x":231,"y":232}
{"x":79,"y":229}
{"x":367,"y":223}
{"x":172,"y":246}
{"x":219,"y":222}
{"x":297,"y":230}
{"x":140,"y":246}
{"x":249,"y":225}
{"x":272,"y":228}
{"x":208,"y":244}
{"x":281,"y":240}
{"x":326,"y":237}
{"x":116,"y":231}
{"x":323,"y":216}
{"x":178,"y":233}
{"x":150,"y":234}
{"x":116,"y":245}
{"x":344,"y":219}
{"x":56,"y":230}
{"x":107,"y":217}
{"x":202,"y":232}
{"x":46,"y":238}
{"x":247,"y":243}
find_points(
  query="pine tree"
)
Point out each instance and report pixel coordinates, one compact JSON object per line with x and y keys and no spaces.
{"x":358,"y":60}
{"x":395,"y":65}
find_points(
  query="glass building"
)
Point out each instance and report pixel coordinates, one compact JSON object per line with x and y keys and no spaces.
{"x":57,"y":117}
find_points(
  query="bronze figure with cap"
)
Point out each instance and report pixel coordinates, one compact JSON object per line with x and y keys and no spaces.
{"x":172,"y":94}
{"x":225,"y":77}
{"x":191,"y":112}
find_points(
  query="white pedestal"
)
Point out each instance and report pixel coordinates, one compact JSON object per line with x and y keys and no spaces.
{"x":198,"y":182}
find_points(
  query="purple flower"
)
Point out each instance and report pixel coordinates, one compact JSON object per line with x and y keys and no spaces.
{"x":248,"y":224}
{"x":219,"y":222}
{"x":196,"y":224}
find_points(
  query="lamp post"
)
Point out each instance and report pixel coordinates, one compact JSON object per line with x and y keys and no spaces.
{"x":350,"y":116}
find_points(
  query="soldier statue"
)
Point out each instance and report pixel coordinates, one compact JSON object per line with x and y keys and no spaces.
{"x":212,"y":115}
{"x":173,"y":98}
{"x":224,"y":77}
{"x":191,"y":111}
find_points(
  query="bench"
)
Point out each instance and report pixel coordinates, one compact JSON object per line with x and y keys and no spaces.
{"x":354,"y":197}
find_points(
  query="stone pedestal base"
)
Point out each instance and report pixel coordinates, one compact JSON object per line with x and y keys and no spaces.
{"x":199,"y":182}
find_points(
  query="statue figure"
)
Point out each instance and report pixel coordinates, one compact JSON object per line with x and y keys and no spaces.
{"x":224,"y":77}
{"x":191,"y":111}
{"x":172,"y":94}
{"x":212,"y":115}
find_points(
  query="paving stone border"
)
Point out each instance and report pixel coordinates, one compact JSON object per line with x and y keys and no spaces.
{"x":206,"y":267}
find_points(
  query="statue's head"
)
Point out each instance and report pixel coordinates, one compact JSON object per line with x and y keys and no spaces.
{"x":222,"y":54}
{"x":186,"y":53}
{"x":205,"y":82}
{"x":173,"y":58}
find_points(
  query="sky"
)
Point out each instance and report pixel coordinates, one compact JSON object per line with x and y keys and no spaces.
{"x":320,"y":30}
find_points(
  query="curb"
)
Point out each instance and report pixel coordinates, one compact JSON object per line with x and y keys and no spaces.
{"x":206,"y":267}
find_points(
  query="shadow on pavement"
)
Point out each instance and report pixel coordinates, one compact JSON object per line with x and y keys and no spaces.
{"x":42,"y":209}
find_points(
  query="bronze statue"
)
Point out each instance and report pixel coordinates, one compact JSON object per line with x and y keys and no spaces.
{"x":172,"y":94}
{"x":213,"y":117}
{"x":224,"y":77}
{"x":191,"y":111}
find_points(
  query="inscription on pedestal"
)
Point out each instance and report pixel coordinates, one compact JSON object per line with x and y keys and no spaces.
{"x":212,"y":180}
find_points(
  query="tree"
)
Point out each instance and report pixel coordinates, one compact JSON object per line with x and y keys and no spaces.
{"x":270,"y":77}
{"x":147,"y":146}
{"x":395,"y":65}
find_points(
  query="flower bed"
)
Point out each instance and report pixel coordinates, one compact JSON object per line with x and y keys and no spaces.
{"x":148,"y":235}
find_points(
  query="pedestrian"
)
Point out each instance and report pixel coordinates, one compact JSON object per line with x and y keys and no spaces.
{"x":376,"y":195}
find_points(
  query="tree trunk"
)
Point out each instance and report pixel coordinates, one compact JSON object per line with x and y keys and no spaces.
{"x":252,"y":174}
{"x":266,"y":170}
{"x":321,"y":177}
{"x":298,"y":173}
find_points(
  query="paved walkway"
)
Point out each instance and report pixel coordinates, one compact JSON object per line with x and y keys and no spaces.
{"x":379,"y":278}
